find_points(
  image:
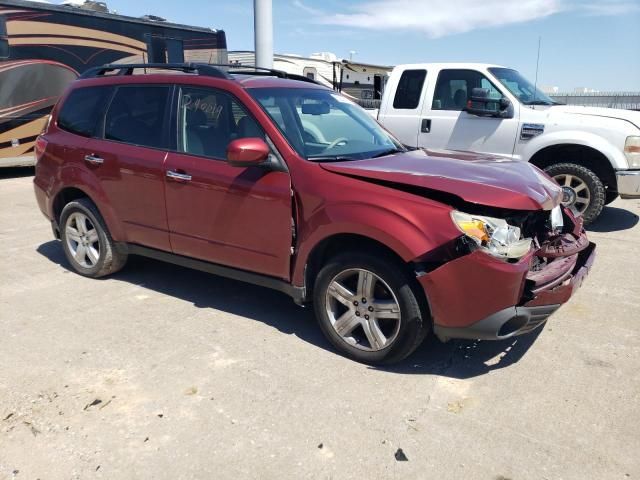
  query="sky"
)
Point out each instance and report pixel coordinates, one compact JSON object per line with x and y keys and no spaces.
{"x":584,"y":43}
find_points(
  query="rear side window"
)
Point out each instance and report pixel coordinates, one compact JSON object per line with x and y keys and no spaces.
{"x":137,"y":114}
{"x":409,"y":89}
{"x":82,"y":110}
{"x":4,"y":40}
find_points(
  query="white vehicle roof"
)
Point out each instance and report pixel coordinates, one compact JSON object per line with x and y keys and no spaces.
{"x":438,"y":66}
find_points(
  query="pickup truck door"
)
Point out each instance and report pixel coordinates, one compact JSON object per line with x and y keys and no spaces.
{"x":233,"y":216}
{"x":444,"y":124}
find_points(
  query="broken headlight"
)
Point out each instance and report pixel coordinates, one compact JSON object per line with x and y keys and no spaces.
{"x":493,"y":235}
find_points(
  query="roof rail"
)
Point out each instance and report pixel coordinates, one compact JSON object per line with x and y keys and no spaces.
{"x":217,"y":70}
{"x":128,"y":68}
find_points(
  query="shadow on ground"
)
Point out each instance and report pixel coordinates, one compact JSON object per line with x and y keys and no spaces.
{"x":16,"y":172}
{"x":613,"y":219}
{"x":457,"y":359}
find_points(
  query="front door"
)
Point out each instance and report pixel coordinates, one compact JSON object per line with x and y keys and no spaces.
{"x":239,"y":217}
{"x":451,"y":128}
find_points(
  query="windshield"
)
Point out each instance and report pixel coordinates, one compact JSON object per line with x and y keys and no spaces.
{"x":322,"y":125}
{"x":522,"y":88}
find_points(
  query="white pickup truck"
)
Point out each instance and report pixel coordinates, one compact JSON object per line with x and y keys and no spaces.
{"x":594,"y":153}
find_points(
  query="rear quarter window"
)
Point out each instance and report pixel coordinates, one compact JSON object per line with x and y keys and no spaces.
{"x":82,"y":110}
{"x":409,"y":89}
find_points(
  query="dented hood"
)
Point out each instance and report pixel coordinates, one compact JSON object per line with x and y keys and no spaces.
{"x":475,"y":178}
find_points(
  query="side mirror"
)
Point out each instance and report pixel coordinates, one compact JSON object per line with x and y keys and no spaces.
{"x":480,"y":103}
{"x":247,"y":152}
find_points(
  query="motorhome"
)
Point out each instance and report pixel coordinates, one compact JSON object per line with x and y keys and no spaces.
{"x":43,"y":47}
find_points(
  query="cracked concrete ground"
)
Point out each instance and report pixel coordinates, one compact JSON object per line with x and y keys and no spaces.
{"x":162,"y":372}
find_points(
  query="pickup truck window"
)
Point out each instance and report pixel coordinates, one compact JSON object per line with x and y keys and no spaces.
{"x":409,"y":89}
{"x":454,"y":86}
{"x":324,"y":126}
{"x":209,"y":119}
{"x":520,"y":87}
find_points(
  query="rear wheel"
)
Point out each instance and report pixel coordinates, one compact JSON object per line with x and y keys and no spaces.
{"x":86,"y":241}
{"x":583,"y":192}
{"x":367,"y":308}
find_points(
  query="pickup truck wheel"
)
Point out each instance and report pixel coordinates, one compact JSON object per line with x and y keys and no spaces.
{"x":366,"y":307}
{"x":86,"y":241}
{"x":583,"y":191}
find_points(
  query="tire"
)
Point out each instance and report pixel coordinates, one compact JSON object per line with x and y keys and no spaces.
{"x":100,"y":254}
{"x":392,"y":293}
{"x":591,"y":185}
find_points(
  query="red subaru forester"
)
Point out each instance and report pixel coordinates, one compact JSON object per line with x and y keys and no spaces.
{"x":275,"y":180}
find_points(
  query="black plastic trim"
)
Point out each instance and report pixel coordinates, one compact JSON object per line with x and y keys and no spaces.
{"x":489,"y":328}
{"x":298,"y":294}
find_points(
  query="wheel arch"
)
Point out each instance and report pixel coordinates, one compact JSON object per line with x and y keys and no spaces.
{"x":344,"y":242}
{"x":72,"y":192}
{"x":583,"y":155}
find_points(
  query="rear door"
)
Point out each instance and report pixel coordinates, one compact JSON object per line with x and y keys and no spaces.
{"x":239,"y":217}
{"x":401,"y":114}
{"x":128,"y":160}
{"x":451,"y":128}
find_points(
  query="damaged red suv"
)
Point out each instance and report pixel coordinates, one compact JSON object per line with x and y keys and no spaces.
{"x":275,"y":180}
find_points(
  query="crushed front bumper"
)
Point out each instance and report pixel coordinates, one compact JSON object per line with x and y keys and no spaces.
{"x":480,"y":297}
{"x":628,"y":183}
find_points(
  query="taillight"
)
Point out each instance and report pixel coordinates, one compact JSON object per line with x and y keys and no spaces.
{"x":40,"y":147}
{"x":45,"y":129}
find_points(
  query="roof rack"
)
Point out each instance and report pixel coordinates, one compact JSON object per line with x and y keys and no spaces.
{"x":128,"y":68}
{"x":217,"y":70}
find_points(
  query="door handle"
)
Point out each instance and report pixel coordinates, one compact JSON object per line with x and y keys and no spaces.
{"x":93,"y":159}
{"x":178,"y":176}
{"x":425,"y":127}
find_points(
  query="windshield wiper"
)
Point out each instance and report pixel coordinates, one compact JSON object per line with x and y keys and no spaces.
{"x":384,"y":153}
{"x":538,"y":102}
{"x":330,"y":158}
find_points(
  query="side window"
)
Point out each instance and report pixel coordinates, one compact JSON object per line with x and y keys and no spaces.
{"x":163,"y":50}
{"x":175,"y":50}
{"x":83,"y":109}
{"x":454,"y":87}
{"x":136,"y":115}
{"x":4,"y":40}
{"x":409,"y":89}
{"x":208,"y":120}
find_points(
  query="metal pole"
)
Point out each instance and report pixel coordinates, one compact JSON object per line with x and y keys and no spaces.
{"x":263,"y":27}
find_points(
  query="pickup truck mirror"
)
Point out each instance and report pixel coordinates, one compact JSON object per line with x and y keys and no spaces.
{"x":247,"y":152}
{"x":482,"y":104}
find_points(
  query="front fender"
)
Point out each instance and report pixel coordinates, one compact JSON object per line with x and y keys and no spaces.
{"x":575,"y":137}
{"x":410,"y":234}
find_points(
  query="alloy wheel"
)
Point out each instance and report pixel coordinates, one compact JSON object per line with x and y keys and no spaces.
{"x":82,"y":239}
{"x":575,"y":192}
{"x":363,"y":309}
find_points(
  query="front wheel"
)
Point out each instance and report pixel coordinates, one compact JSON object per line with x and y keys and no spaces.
{"x":582,"y":191}
{"x":366,"y":307}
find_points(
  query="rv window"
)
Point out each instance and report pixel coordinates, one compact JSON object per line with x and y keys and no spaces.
{"x":175,"y":51}
{"x":4,"y":41}
{"x":82,"y":110}
{"x":136,"y":115}
{"x":409,"y":89}
{"x":156,"y":50}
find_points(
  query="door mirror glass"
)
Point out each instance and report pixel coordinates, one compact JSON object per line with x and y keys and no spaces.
{"x":247,"y":152}
{"x":481,"y":103}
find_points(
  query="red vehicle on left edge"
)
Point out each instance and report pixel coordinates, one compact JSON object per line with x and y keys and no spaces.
{"x":272,"y":179}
